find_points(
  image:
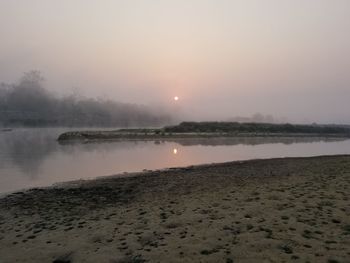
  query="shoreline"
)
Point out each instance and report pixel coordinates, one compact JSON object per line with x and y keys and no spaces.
{"x":180,"y":169}
{"x":277,"y":209}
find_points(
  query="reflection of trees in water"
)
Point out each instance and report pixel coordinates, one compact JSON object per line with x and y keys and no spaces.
{"x":250,"y":140}
{"x":212,"y":141}
{"x":26,"y":149}
{"x":106,"y":146}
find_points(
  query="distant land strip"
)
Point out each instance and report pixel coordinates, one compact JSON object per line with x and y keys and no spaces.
{"x":213,"y":130}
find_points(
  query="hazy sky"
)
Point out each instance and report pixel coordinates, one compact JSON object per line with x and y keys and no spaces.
{"x":223,"y":58}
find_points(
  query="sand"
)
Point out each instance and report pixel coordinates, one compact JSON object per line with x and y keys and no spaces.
{"x":277,"y":210}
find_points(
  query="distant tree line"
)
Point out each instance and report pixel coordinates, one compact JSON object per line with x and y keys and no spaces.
{"x":28,"y":103}
{"x":232,"y":127}
{"x":257,"y":118}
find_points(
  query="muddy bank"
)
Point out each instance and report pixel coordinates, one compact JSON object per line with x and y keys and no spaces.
{"x":293,"y":209}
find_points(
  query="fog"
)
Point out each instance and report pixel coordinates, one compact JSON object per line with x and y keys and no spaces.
{"x":28,"y":103}
{"x":288,"y":60}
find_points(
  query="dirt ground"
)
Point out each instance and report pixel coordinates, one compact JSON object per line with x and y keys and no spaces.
{"x":276,"y":210}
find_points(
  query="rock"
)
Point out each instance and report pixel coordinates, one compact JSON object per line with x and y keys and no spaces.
{"x":66,"y":258}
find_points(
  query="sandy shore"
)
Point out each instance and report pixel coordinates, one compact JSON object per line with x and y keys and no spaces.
{"x":277,"y":210}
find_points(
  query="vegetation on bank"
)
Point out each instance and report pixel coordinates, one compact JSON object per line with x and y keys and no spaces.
{"x":236,"y":127}
{"x":212,"y":129}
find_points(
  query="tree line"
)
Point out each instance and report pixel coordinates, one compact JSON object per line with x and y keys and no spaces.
{"x":236,"y":127}
{"x":28,"y":103}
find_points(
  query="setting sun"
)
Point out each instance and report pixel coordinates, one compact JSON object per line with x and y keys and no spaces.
{"x":176,"y":98}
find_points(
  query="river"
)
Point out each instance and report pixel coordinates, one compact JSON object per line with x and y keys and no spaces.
{"x":34,"y":158}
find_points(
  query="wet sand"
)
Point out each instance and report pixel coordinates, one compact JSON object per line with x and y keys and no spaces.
{"x":276,"y":210}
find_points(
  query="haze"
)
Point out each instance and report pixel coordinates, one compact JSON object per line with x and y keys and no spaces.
{"x":222,"y":58}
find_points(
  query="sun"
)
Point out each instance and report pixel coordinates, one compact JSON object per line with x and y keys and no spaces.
{"x":176,"y":98}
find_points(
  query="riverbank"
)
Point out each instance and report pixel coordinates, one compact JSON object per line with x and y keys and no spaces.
{"x":253,"y":211}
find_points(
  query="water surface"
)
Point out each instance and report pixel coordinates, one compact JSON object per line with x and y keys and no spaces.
{"x":33,"y":157}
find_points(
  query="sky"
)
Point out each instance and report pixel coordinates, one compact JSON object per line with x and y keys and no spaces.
{"x":222,"y":58}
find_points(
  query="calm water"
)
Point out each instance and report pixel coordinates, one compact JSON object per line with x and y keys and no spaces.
{"x":33,"y":157}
